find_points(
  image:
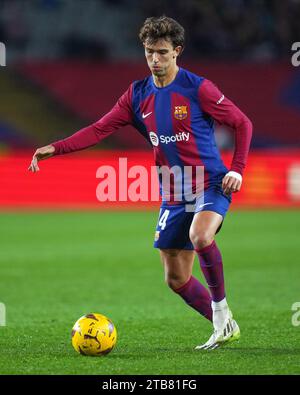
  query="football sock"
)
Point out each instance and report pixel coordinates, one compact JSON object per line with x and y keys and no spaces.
{"x":196,"y":296}
{"x":220,"y":313}
{"x":212,"y":268}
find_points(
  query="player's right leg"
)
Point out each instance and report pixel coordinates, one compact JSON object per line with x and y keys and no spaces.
{"x":178,"y":266}
{"x":172,"y":238}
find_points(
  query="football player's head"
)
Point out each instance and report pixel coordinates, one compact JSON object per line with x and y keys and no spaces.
{"x":163,"y":40}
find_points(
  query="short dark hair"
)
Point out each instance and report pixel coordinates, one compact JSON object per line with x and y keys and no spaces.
{"x":162,"y":27}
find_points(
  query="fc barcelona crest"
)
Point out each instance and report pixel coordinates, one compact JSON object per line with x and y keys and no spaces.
{"x":180,"y":112}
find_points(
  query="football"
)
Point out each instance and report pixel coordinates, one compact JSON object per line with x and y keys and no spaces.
{"x":94,"y":334}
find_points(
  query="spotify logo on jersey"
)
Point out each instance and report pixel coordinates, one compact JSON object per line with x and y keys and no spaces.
{"x":154,"y":139}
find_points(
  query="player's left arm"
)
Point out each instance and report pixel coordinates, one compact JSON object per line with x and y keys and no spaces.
{"x":224,"y":111}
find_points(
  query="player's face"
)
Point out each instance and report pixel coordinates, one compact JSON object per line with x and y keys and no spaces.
{"x":161,"y":56}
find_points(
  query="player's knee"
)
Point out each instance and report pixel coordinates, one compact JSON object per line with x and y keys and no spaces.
{"x":201,"y":239}
{"x":175,"y":282}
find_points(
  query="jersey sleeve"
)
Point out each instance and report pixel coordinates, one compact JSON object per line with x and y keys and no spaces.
{"x":120,"y":115}
{"x":224,"y":111}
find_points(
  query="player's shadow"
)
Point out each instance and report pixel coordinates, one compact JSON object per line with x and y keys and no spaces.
{"x":263,"y":350}
{"x":254,"y":351}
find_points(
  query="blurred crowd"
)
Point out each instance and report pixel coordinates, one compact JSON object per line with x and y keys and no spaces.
{"x":236,"y":29}
{"x":253,"y":30}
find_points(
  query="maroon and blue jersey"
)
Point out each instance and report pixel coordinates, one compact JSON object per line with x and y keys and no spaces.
{"x":178,"y":121}
{"x":173,"y":120}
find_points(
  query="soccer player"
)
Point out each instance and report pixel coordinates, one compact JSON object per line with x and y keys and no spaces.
{"x":174,"y":110}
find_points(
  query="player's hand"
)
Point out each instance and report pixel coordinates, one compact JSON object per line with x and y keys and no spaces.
{"x":40,"y":154}
{"x":232,"y":182}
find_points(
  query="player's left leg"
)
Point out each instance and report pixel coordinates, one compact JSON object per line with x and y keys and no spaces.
{"x":202,"y":232}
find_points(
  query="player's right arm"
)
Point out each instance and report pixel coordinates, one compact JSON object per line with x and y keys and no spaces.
{"x":120,"y":115}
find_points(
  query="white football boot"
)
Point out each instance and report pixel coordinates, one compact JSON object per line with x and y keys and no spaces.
{"x":223,"y":334}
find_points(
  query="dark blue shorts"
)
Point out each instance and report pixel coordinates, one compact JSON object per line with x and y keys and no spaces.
{"x":174,"y":221}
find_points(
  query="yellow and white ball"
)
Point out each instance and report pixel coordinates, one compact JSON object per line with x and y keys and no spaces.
{"x":94,"y":334}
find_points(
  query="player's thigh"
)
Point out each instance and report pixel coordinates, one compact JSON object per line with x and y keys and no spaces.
{"x":210,"y":212}
{"x":172,"y":229}
{"x":204,"y":227}
{"x":178,"y":265}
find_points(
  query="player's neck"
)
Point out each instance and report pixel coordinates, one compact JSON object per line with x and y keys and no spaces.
{"x":167,"y":79}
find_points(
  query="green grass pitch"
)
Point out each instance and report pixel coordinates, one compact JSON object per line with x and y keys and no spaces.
{"x":55,"y":267}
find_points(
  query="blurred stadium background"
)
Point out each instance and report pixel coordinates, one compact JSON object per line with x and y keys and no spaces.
{"x":67,"y":63}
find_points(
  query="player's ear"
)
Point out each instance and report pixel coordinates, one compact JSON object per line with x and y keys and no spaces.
{"x":178,"y":50}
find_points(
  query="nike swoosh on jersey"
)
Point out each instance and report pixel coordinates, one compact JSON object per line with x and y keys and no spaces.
{"x":221,"y":99}
{"x":146,"y":115}
{"x":205,"y":204}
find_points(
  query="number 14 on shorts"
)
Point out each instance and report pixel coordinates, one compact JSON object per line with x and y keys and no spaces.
{"x":163,"y":219}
